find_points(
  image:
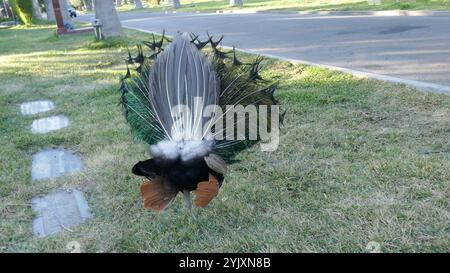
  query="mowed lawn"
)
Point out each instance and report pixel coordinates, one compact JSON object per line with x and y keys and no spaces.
{"x":359,"y":161}
{"x":299,"y":5}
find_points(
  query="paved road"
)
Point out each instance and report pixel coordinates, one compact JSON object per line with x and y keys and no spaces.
{"x":415,"y":48}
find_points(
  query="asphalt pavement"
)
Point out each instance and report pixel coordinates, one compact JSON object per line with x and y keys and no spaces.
{"x":410,"y":49}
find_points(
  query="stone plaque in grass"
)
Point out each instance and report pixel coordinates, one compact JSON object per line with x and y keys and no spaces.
{"x":49,"y":163}
{"x":45,"y":125}
{"x":58,"y":211}
{"x":34,"y":107}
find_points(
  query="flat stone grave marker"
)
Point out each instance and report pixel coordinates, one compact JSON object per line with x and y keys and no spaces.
{"x":45,"y":125}
{"x":34,"y":107}
{"x":59,"y":210}
{"x":49,"y":163}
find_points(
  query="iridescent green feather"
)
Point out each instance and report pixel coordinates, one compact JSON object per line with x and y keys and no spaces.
{"x":240,"y":83}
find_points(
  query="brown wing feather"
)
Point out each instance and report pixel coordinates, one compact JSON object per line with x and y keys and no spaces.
{"x":157,"y":194}
{"x":206,"y":191}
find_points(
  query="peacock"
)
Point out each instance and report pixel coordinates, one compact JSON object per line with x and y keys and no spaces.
{"x":185,"y":71}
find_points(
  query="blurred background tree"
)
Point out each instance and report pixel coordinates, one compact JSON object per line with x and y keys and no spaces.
{"x":23,"y":10}
{"x":110,"y":24}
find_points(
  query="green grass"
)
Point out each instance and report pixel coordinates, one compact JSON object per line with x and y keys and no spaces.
{"x":300,"y":5}
{"x":359,"y":161}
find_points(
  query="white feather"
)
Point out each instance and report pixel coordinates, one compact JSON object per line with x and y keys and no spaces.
{"x":166,"y":150}
{"x":182,"y":76}
{"x":184,"y":150}
{"x":195,"y":149}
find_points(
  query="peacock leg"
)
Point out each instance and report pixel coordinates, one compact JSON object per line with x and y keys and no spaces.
{"x":187,"y":199}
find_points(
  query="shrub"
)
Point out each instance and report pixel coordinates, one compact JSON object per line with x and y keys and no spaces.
{"x":23,"y":9}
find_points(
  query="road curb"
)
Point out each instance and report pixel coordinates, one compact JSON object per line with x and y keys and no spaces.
{"x":382,"y":13}
{"x":419,"y":85}
{"x":349,"y":13}
{"x":332,"y":13}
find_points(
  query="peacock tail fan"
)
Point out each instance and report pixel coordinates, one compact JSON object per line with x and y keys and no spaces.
{"x":228,"y":82}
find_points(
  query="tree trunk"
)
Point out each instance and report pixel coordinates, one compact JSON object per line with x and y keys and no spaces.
{"x":36,"y":9}
{"x":236,"y":3}
{"x":138,"y":4}
{"x":118,"y":3}
{"x":65,"y":12}
{"x":6,"y":9}
{"x":175,"y":3}
{"x":105,"y":11}
{"x":88,"y":4}
{"x":49,"y":10}
{"x":3,"y":13}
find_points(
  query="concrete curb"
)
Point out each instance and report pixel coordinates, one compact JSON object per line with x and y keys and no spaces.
{"x":332,"y":13}
{"x":348,"y":13}
{"x":419,"y":85}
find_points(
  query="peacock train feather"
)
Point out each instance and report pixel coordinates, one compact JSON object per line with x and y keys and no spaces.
{"x":185,"y":157}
